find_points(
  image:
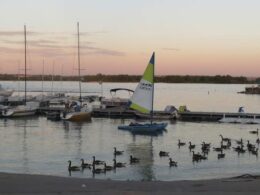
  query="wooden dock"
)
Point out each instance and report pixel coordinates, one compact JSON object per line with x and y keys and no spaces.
{"x":214,"y":116}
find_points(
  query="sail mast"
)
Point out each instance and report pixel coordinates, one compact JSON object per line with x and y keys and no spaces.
{"x":153,"y":88}
{"x":79,"y":67}
{"x":25,"y":65}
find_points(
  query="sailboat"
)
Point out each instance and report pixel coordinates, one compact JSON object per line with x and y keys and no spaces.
{"x":29,"y":108}
{"x":78,"y":112}
{"x":142,"y":101}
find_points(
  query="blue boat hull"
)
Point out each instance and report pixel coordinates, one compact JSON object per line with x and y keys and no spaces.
{"x":144,"y":128}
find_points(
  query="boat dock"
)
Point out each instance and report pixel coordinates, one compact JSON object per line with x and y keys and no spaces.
{"x":215,"y":116}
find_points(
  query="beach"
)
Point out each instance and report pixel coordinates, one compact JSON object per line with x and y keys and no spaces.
{"x":40,"y":184}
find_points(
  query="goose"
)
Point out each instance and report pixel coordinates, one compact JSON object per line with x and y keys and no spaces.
{"x":225,"y":139}
{"x":254,"y":132}
{"x":107,"y":167}
{"x":181,"y":143}
{"x":172,"y":163}
{"x":97,"y":162}
{"x":257,"y":141}
{"x":191,"y":146}
{"x":196,"y":157}
{"x":205,"y":144}
{"x":117,"y":152}
{"x":239,"y":142}
{"x":221,"y":155}
{"x":163,"y":153}
{"x":218,"y":149}
{"x":73,"y":168}
{"x":118,"y":164}
{"x":85,"y":165}
{"x":134,"y":160}
{"x":97,"y":170}
{"x":250,"y":146}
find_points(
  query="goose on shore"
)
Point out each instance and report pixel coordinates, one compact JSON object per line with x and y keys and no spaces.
{"x":239,"y":142}
{"x":257,"y":141}
{"x":255,"y":152}
{"x":73,"y":168}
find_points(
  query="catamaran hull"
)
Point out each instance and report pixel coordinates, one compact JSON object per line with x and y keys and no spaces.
{"x":144,"y":128}
{"x":77,"y":116}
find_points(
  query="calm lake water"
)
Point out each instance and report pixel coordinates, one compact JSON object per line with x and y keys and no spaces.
{"x":38,"y":146}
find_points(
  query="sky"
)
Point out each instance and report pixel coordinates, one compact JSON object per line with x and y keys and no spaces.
{"x":189,"y":37}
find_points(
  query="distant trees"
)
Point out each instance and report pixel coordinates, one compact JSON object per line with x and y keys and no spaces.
{"x":135,"y":78}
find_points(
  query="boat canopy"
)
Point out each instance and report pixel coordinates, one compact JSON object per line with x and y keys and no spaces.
{"x":113,"y":91}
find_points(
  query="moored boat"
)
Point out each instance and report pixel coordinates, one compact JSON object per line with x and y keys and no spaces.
{"x":142,"y":101}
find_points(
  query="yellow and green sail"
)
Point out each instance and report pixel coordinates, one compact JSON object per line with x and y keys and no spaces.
{"x":142,"y":99}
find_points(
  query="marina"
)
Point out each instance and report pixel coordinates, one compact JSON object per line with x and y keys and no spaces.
{"x":44,"y":146}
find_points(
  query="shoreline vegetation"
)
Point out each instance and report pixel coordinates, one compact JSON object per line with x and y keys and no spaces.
{"x":43,"y":184}
{"x":221,"y":79}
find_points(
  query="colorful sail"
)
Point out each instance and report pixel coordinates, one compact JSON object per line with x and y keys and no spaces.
{"x":142,"y":99}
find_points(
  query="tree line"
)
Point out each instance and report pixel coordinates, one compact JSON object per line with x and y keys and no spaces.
{"x":136,"y":78}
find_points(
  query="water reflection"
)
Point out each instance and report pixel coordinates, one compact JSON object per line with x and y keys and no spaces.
{"x":143,"y":151}
{"x":74,"y":129}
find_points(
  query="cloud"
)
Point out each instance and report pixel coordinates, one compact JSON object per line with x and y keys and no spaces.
{"x":171,"y":49}
{"x":17,"y":33}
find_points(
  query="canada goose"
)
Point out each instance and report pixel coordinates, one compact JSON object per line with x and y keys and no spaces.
{"x":181,"y":143}
{"x":134,"y":160}
{"x":250,"y":146}
{"x":118,"y":164}
{"x":191,"y":146}
{"x":107,"y":167}
{"x":218,"y":149}
{"x":85,"y":165}
{"x":205,"y":144}
{"x":163,"y":153}
{"x":97,"y":162}
{"x":239,"y":149}
{"x":257,"y":141}
{"x":254,"y":132}
{"x":225,"y":139}
{"x":198,"y":156}
{"x":73,"y":168}
{"x":221,"y":155}
{"x":117,"y":152}
{"x":172,"y":163}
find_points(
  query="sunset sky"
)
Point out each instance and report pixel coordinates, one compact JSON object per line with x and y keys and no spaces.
{"x":195,"y":37}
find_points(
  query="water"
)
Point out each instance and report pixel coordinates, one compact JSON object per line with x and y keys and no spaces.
{"x":38,"y":146}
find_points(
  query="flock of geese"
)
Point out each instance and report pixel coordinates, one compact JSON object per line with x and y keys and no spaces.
{"x":99,"y":166}
{"x":225,"y":143}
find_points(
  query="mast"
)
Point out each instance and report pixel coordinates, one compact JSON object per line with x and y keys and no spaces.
{"x":153,"y":87}
{"x":25,"y":65}
{"x":42,"y":75}
{"x":80,"y":100}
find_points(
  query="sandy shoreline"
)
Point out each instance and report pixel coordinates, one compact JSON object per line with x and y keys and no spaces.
{"x":40,"y":184}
